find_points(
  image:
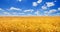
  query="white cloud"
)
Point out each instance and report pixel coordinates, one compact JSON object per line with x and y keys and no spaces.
{"x":34,"y":3}
{"x":58,"y":8}
{"x":58,"y":14}
{"x":37,"y":13}
{"x":52,"y":11}
{"x":19,"y":0}
{"x":49,"y":4}
{"x":14,"y":13}
{"x":39,"y":1}
{"x":46,"y":13}
{"x":44,"y":7}
{"x":6,"y":13}
{"x":1,"y":9}
{"x":29,"y":14}
{"x":13,"y":8}
{"x":21,"y":13}
{"x":29,"y":10}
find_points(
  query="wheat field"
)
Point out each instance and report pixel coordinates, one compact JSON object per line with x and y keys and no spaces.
{"x":30,"y":24}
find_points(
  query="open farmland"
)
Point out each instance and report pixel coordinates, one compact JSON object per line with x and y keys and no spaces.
{"x":30,"y":24}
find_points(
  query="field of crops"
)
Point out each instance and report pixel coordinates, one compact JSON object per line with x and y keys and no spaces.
{"x":30,"y":24}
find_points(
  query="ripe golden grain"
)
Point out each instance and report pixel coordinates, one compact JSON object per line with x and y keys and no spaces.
{"x":30,"y":24}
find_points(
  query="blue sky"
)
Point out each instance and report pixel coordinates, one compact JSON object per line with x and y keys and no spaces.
{"x":29,"y":7}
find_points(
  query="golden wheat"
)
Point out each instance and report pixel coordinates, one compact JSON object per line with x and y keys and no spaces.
{"x":30,"y":24}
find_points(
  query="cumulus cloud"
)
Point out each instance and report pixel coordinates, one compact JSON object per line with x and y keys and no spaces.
{"x":52,"y":10}
{"x":29,"y":10}
{"x":14,"y":13}
{"x":39,"y":1}
{"x":13,"y":8}
{"x":1,"y":9}
{"x":21,"y":13}
{"x":37,"y":13}
{"x":6,"y":13}
{"x":58,"y":14}
{"x":29,"y":14}
{"x":44,"y":7}
{"x":34,"y":3}
{"x":47,"y":13}
{"x":50,"y":4}
{"x":59,"y":8}
{"x":19,"y":0}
